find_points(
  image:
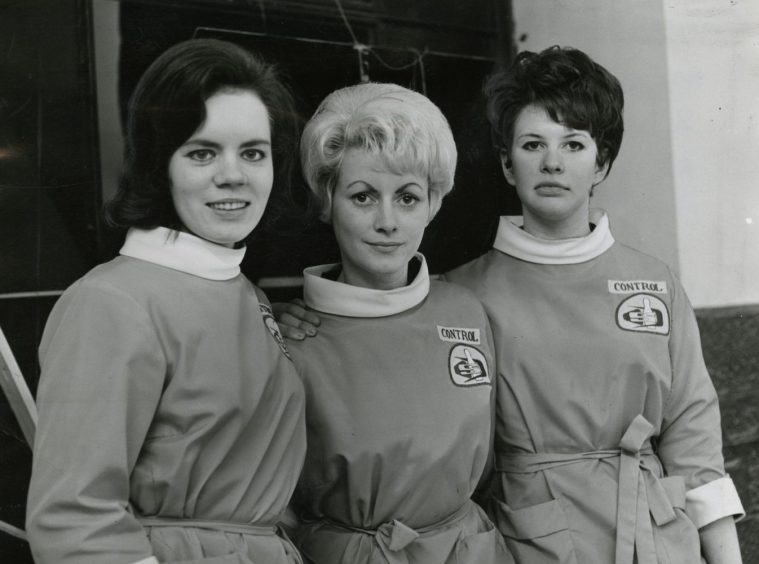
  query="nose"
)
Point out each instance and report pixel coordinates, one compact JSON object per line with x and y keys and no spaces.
{"x":552,"y":161}
{"x":229,"y":173}
{"x":385,"y":218}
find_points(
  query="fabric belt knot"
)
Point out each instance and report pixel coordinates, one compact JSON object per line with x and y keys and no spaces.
{"x":639,"y":493}
{"x":396,"y":536}
{"x":392,"y":537}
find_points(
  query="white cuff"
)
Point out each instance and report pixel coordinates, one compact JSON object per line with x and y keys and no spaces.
{"x":151,"y":560}
{"x":714,"y":500}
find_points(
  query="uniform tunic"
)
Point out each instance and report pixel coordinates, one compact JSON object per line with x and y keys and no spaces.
{"x":399,"y":419}
{"x":608,"y":435}
{"x":171,"y":421}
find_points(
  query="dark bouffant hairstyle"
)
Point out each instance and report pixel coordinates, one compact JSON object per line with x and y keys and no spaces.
{"x":168,"y":106}
{"x":573,"y":89}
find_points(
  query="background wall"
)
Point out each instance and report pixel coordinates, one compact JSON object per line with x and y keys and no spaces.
{"x":684,"y":188}
{"x":713,"y":55}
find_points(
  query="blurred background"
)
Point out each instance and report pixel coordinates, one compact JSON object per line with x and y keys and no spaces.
{"x":684,"y":187}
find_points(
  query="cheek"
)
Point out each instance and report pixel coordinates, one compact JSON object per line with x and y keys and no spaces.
{"x":182,"y":185}
{"x":182,"y":194}
{"x":265,"y":180}
{"x":347,"y":223}
{"x":417,"y":221}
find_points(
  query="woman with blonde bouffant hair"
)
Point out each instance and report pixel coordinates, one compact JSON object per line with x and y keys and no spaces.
{"x":398,"y":382}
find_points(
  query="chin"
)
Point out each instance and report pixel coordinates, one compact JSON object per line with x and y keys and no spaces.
{"x":228,"y":241}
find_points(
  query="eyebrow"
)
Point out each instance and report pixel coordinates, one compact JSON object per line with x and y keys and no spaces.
{"x":215,"y":145}
{"x":574,"y":133}
{"x":371,"y":187}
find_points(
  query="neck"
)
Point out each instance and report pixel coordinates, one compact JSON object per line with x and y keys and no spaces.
{"x":379,"y":282}
{"x":560,"y":229}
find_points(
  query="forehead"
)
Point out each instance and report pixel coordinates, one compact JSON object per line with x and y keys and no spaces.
{"x":235,"y":113}
{"x":534,"y":120}
{"x":376,"y":168}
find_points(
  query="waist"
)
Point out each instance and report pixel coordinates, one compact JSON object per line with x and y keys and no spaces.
{"x":529,"y":462}
{"x":224,"y":526}
{"x":446,"y":521}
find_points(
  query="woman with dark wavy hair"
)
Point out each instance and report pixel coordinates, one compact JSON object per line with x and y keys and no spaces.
{"x":171,"y":422}
{"x":608,"y":446}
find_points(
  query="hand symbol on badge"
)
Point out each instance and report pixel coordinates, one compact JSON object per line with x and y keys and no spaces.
{"x":645,"y":317}
{"x":469,"y":367}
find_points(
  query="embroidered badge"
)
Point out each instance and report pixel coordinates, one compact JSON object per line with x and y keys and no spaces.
{"x":643,"y":313}
{"x":467,"y":366}
{"x":459,"y":335}
{"x":273,"y":328}
{"x":635,"y":286}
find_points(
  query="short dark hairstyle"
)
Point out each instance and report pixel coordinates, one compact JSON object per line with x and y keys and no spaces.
{"x":168,"y":106}
{"x":573,"y":89}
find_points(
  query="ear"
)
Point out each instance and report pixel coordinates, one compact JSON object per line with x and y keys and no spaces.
{"x":506,"y":166}
{"x":601,"y":172}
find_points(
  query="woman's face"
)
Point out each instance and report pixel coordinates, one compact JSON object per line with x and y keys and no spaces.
{"x":221,"y":177}
{"x":379,"y":219}
{"x":553,"y":168}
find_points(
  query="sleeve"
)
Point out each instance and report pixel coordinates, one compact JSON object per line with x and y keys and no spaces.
{"x":690,"y":444}
{"x":102,"y":377}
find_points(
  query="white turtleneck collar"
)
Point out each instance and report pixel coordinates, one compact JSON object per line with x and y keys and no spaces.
{"x":184,"y":252}
{"x":339,"y":298}
{"x":515,"y":241}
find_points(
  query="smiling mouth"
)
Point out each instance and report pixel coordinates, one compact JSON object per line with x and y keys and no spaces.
{"x":228,"y":206}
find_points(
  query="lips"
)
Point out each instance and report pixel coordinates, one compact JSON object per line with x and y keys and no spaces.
{"x":228,"y":205}
{"x":555,"y":185}
{"x":384,"y":246}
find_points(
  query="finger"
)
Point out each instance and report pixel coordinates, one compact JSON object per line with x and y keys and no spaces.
{"x":298,"y":309}
{"x":297,"y":324}
{"x":279,"y":308}
{"x":290,"y":328}
{"x":292,"y":333}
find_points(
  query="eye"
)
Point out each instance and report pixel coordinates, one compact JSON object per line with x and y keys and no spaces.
{"x":361,"y":198}
{"x":201,"y":155}
{"x":575,"y":146}
{"x":253,"y":155}
{"x":408,"y":199}
{"x":531,"y":145}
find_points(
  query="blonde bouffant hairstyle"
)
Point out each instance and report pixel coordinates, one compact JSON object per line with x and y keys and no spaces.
{"x":404,"y":128}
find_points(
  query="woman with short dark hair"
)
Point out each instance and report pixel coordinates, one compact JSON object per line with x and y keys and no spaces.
{"x":171,"y":423}
{"x":608,"y":446}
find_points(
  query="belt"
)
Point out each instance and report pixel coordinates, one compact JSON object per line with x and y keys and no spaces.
{"x":639,"y":491}
{"x":223,"y":526}
{"x":394,"y":536}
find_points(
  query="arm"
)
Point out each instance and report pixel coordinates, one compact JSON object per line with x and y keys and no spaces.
{"x":691,"y":437}
{"x":719,"y":542}
{"x":102,"y":376}
{"x":295,"y":320}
